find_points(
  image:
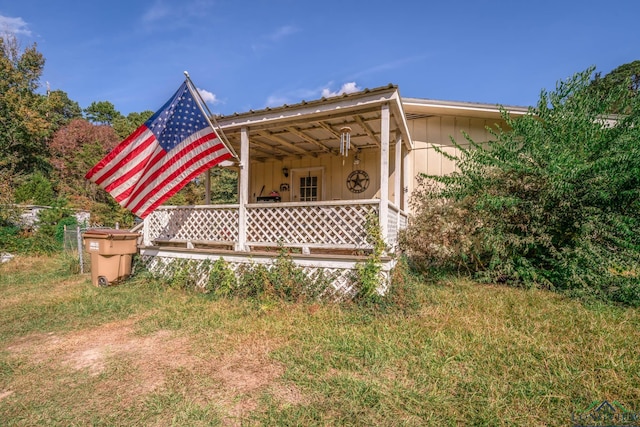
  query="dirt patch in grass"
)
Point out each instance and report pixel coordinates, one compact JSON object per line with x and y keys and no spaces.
{"x":135,"y":366}
{"x":248,"y":372}
{"x":248,"y":368}
{"x":95,"y":350}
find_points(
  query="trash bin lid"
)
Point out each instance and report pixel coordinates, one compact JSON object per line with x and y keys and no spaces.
{"x":110,"y":233}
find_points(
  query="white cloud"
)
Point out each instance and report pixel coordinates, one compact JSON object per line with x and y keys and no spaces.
{"x":298,"y":95}
{"x":165,"y":14}
{"x":282,"y":32}
{"x":14,"y":26}
{"x":208,"y":97}
{"x":157,"y":12}
{"x":267,"y":41}
{"x":350,"y":87}
{"x":276,"y":100}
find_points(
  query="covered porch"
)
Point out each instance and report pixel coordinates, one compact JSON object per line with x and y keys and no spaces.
{"x":302,"y":184}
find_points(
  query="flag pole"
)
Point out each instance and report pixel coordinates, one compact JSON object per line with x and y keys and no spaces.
{"x":209,"y":116}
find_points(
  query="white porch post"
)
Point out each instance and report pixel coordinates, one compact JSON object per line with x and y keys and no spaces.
{"x":405,"y":181}
{"x":243,"y":191}
{"x":384,"y":171}
{"x":397,"y":176}
{"x":146,"y":239}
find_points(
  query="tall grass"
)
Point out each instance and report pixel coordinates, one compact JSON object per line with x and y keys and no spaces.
{"x":469,"y":355}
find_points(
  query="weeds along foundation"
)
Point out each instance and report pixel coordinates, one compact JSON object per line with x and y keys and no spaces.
{"x":280,"y":276}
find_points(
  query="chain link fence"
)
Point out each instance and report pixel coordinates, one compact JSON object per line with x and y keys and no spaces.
{"x":73,"y":244}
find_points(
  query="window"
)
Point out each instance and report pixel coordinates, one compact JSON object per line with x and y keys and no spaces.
{"x":308,"y":188}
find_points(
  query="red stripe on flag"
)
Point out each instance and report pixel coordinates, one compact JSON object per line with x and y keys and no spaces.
{"x":156,"y":161}
{"x":178,"y":186}
{"x":167,"y":162}
{"x":117,"y":150}
{"x":123,"y":163}
{"x":160,"y":187}
{"x":135,"y":168}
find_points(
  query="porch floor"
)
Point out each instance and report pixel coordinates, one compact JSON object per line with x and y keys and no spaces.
{"x":352,"y":255}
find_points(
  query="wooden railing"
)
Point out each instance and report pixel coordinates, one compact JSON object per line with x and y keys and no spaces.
{"x":327,"y":225}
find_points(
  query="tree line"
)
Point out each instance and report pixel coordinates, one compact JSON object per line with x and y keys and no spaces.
{"x":48,"y":143}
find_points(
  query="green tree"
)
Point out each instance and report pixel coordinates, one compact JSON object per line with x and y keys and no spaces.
{"x":36,"y":189}
{"x":224,"y":185}
{"x":9,"y":213}
{"x":109,"y":212}
{"x":125,"y":126}
{"x":224,"y":189}
{"x":102,"y":112}
{"x":626,"y":75}
{"x":59,"y":109}
{"x":555,"y":198}
{"x":23,"y":127}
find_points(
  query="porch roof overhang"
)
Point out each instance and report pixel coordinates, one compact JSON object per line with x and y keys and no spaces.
{"x":419,"y":108}
{"x":311,"y":128}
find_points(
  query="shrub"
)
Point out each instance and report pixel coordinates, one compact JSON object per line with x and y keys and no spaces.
{"x":253,"y":280}
{"x":442,"y":233}
{"x":50,"y":229}
{"x":553,"y":201}
{"x":10,"y":239}
{"x":368,"y":279}
{"x":282,"y":280}
{"x":184,"y":274}
{"x":222,"y":281}
{"x":286,"y":280}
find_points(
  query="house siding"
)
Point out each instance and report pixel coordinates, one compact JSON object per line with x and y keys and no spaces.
{"x":336,"y":169}
{"x":437,"y":131}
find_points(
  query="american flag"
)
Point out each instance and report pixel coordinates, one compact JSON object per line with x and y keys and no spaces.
{"x":164,"y":154}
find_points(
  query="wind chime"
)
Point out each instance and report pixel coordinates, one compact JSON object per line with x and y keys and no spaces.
{"x":345,"y":140}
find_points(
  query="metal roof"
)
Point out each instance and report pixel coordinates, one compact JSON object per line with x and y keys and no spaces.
{"x":312,"y":128}
{"x":419,"y":107}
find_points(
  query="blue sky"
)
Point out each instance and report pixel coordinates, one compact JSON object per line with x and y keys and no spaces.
{"x":251,"y":54}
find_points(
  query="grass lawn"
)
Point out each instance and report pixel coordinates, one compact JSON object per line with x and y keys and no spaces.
{"x":144,"y":354}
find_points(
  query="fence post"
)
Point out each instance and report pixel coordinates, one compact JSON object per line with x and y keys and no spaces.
{"x":80,"y":248}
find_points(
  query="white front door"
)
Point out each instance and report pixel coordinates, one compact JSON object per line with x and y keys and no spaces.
{"x":306,"y":184}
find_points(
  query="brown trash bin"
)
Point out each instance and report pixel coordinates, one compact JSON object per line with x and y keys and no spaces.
{"x":111,"y":252}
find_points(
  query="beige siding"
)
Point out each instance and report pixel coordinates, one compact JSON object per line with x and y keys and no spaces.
{"x":335,"y":170}
{"x":437,"y":131}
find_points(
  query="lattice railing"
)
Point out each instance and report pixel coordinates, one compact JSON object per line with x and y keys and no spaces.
{"x":339,"y":224}
{"x":192,"y":223}
{"x":322,"y":224}
{"x":403,"y":220}
{"x":392,"y":226}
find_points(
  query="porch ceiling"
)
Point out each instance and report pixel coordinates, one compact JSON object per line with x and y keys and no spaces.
{"x":312,"y":128}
